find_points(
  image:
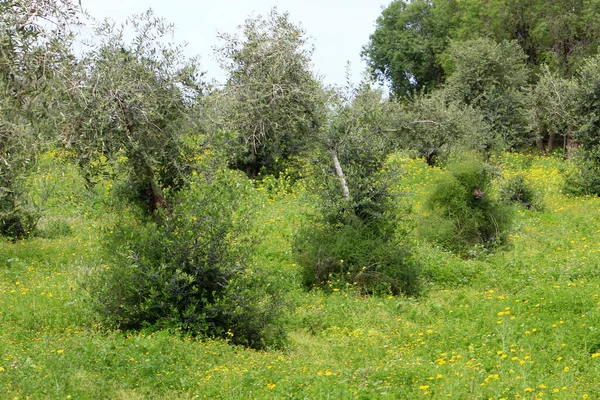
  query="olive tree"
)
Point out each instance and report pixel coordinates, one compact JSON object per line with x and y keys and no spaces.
{"x":34,"y":50}
{"x":587,"y":134}
{"x":550,"y":111}
{"x":134,"y":101}
{"x":271,"y":99}
{"x":492,"y":77}
{"x":354,"y":238}
{"x":432,"y":125}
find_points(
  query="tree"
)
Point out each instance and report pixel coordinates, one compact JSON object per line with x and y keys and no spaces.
{"x":34,"y":48}
{"x":550,"y":110}
{"x":135,"y":101}
{"x":353,"y":239}
{"x":587,"y":112}
{"x":491,"y":77}
{"x":352,"y":150}
{"x":432,"y":125}
{"x":559,"y":33}
{"x":404,"y":50}
{"x":271,"y":99}
{"x":412,"y":37}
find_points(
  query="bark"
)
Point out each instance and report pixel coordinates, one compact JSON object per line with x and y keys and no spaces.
{"x":157,"y":199}
{"x":550,"y":144}
{"x":571,"y":145}
{"x":540,"y":144}
{"x":340,"y":174}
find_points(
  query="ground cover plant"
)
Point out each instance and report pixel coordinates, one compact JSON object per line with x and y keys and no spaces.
{"x":519,"y":323}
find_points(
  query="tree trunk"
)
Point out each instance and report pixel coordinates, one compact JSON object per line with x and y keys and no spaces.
{"x":340,"y":174}
{"x":156,"y":198}
{"x":540,"y":144}
{"x":550,"y":144}
{"x":571,"y":145}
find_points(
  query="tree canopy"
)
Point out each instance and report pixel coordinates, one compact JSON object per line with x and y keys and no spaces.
{"x":412,"y":37}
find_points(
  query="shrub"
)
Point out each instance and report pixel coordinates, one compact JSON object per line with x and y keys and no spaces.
{"x":189,"y":272}
{"x":516,"y":190}
{"x":582,"y":177}
{"x":462,"y":214}
{"x":17,"y":220}
{"x":355,"y":254}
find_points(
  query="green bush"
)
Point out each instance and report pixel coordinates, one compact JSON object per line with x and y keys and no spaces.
{"x":462,"y":215}
{"x":517,"y":190}
{"x":17,"y":220}
{"x":358,"y":255}
{"x":189,"y":272}
{"x":583,"y":176}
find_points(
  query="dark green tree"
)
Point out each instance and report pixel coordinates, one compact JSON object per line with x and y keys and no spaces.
{"x":412,"y":37}
{"x":404,"y":50}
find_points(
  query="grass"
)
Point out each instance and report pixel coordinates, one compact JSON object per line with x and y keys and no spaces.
{"x":521,"y":323}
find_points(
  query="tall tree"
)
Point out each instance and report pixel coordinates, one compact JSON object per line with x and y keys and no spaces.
{"x":271,"y":99}
{"x":405,"y":47}
{"x":134,"y":100}
{"x":411,"y":38}
{"x":34,"y":48}
{"x":493,"y":78}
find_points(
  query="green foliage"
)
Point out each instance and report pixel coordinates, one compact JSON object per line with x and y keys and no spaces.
{"x":271,"y":99}
{"x":541,"y":296}
{"x":405,"y":47}
{"x":587,"y":112}
{"x":551,"y":33}
{"x":463,"y":215}
{"x":190,"y":273}
{"x":357,"y":255}
{"x":492,"y":78}
{"x":550,"y":110}
{"x":356,"y":186}
{"x":516,"y":190}
{"x":32,"y":56}
{"x":134,"y":102}
{"x":432,"y":125}
{"x":351,"y":241}
{"x":412,"y":38}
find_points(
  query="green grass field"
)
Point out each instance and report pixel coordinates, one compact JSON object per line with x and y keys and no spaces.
{"x":523,"y":322}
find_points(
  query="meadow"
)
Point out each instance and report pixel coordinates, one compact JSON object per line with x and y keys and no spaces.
{"x":520,"y":323}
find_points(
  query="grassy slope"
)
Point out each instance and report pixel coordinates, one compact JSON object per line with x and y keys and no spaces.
{"x":524,"y":323}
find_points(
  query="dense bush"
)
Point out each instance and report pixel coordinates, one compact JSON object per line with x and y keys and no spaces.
{"x":462,"y":214}
{"x":189,"y":272}
{"x":17,"y":218}
{"x":586,"y":179}
{"x":516,"y":190}
{"x":355,"y":254}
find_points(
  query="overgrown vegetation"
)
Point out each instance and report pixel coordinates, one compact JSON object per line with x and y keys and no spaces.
{"x":190,"y":271}
{"x":463,"y":214}
{"x":356,"y":240}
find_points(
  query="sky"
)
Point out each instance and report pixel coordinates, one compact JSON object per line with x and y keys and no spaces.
{"x":337,"y":28}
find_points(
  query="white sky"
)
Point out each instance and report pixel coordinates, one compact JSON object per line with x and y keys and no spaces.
{"x":338,"y":28}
